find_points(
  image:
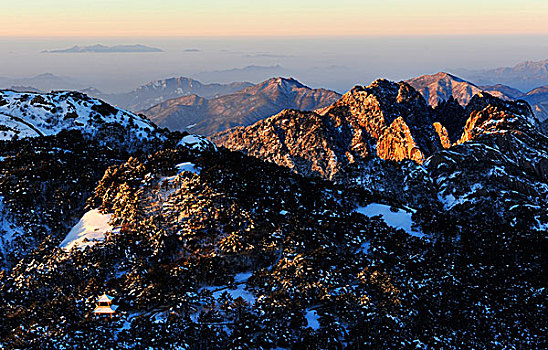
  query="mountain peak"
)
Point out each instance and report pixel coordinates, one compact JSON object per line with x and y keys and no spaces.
{"x":441,"y":86}
{"x":283,"y":83}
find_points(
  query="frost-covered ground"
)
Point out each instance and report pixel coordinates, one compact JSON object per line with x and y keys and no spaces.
{"x":88,"y":231}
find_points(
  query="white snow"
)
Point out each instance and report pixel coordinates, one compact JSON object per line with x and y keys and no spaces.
{"x":399,"y":219}
{"x":32,"y":114}
{"x":313,"y":319}
{"x":188,"y":166}
{"x":88,"y":231}
{"x":240,"y":279}
{"x":365,"y":247}
{"x":196,"y":142}
{"x":234,"y":293}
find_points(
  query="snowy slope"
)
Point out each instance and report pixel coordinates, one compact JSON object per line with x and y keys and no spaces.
{"x":197,"y":142}
{"x":32,"y":114}
{"x":89,"y":230}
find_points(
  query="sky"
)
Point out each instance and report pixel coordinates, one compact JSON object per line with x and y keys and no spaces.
{"x":172,"y":18}
{"x":323,"y":43}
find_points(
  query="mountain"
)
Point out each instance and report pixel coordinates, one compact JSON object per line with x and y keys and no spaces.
{"x":137,"y":48}
{"x":25,"y":89}
{"x":240,"y":108}
{"x":32,"y":115}
{"x":390,"y":120}
{"x":524,"y":76}
{"x":440,"y":86}
{"x":41,"y":82}
{"x":159,"y":91}
{"x":416,"y":242}
{"x":505,"y":91}
{"x":538,"y":99}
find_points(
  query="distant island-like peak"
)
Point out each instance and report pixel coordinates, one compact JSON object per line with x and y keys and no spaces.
{"x":98,"y":48}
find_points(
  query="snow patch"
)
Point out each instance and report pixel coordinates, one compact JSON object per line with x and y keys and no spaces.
{"x":88,"y":231}
{"x":188,"y":166}
{"x":240,"y":279}
{"x":196,"y":142}
{"x":399,"y":219}
{"x":313,"y":319}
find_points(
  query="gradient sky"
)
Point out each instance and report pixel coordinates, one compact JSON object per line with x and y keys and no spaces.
{"x":143,"y":18}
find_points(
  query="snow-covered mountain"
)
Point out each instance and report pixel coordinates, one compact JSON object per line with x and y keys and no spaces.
{"x":25,"y":114}
{"x":245,"y":107}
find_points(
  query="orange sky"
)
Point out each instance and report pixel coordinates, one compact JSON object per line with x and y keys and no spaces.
{"x":104,"y":18}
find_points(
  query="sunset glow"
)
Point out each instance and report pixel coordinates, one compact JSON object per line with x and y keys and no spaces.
{"x":100,"y":18}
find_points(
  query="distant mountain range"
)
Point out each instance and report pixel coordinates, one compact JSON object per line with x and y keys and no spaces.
{"x":41,"y":82}
{"x":524,"y":76}
{"x":106,"y":49}
{"x":241,"y":108}
{"x":538,"y":99}
{"x":441,"y":86}
{"x":158,"y":91}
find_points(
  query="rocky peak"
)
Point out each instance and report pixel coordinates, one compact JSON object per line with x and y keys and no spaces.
{"x":386,"y":119}
{"x":384,"y":110}
{"x":488,"y":114}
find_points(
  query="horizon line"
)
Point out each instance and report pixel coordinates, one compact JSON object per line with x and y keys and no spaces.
{"x":281,"y":36}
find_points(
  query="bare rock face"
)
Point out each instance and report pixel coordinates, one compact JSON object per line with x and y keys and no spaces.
{"x":393,"y":116}
{"x":443,"y":135}
{"x":398,"y":144}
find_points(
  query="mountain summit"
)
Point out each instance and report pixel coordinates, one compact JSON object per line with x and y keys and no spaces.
{"x":441,"y":86}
